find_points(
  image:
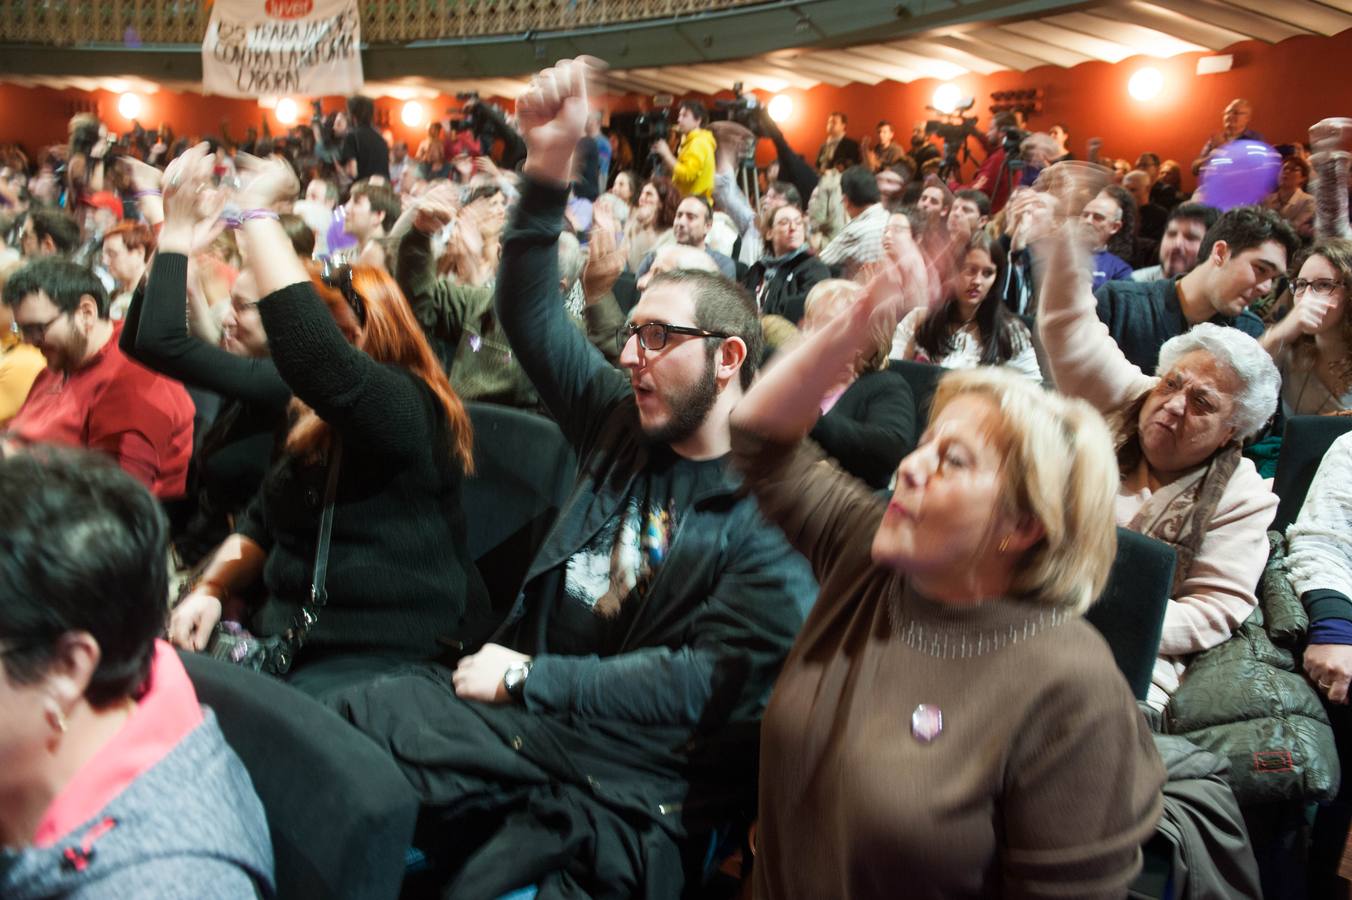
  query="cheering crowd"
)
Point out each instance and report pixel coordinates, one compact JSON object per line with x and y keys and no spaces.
{"x":794,"y":606}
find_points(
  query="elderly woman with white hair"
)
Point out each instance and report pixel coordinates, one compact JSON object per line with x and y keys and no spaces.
{"x":1178,"y":435}
{"x":944,"y":722}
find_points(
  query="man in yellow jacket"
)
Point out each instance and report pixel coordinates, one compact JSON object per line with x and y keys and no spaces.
{"x":692,"y":166}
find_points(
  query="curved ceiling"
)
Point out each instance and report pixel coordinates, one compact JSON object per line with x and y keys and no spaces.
{"x":770,"y":46}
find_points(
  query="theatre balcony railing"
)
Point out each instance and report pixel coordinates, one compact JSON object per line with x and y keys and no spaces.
{"x":146,"y":23}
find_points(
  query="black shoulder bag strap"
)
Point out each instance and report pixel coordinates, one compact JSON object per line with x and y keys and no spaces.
{"x":309,"y":613}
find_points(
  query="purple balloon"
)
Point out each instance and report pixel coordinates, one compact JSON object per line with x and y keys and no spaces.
{"x":338,"y":238}
{"x":1239,"y":173}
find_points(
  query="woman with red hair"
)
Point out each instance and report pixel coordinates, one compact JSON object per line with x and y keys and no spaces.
{"x":372,"y":409}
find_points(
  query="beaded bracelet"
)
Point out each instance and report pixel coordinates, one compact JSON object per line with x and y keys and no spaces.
{"x":237,"y":220}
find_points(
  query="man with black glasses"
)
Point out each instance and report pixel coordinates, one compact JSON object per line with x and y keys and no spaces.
{"x":91,"y":395}
{"x":610,"y":724}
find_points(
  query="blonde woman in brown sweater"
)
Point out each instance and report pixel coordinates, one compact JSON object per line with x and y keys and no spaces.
{"x":946,"y":725}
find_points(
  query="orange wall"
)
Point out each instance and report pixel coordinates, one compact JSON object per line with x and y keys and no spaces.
{"x":36,"y":117}
{"x":1292,"y":85}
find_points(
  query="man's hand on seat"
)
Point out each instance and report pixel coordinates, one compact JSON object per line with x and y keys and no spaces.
{"x":479,"y":676}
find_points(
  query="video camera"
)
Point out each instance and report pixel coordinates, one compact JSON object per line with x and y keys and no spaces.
{"x":654,"y":125}
{"x":953,"y":128}
{"x":744,"y":109}
{"x":469,"y":118}
{"x":1013,"y":139}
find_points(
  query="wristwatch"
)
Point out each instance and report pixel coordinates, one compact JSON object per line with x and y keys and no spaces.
{"x":514,"y":680}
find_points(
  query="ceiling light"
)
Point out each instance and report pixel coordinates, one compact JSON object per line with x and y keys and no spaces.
{"x":780,"y":108}
{"x":286,"y":111}
{"x":1145,"y":84}
{"x":947,"y":97}
{"x":129,"y":105}
{"x":413,"y":114}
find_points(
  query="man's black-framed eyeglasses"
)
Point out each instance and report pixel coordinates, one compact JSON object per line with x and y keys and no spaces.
{"x":35,"y":332}
{"x":339,"y":277}
{"x":653,"y":335}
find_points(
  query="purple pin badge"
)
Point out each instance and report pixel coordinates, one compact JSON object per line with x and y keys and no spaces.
{"x":927,"y":723}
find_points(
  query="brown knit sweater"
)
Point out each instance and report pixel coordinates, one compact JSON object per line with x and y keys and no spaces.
{"x":1044,"y":781}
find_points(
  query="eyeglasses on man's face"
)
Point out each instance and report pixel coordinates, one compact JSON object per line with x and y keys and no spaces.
{"x":653,"y":335}
{"x":35,"y":332}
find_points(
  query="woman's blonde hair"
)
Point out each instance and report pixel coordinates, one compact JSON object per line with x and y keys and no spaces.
{"x":1059,"y":468}
{"x":831,"y":296}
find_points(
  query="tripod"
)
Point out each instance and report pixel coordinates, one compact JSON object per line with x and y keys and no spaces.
{"x":747,"y":178}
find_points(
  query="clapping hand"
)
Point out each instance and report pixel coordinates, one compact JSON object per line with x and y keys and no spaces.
{"x":604,"y":262}
{"x":1331,"y":134}
{"x":186,"y":180}
{"x":266,"y":182}
{"x":143,"y":176}
{"x":436,"y":208}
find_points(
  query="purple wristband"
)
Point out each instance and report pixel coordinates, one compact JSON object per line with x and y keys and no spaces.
{"x":149,"y":193}
{"x":248,"y":215}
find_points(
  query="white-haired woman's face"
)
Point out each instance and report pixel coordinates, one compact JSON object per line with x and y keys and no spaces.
{"x":1187,"y":415}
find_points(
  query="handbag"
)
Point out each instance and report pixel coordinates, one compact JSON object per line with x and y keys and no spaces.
{"x":274,"y":655}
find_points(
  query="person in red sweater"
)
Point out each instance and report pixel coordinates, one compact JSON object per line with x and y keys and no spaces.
{"x":91,"y":395}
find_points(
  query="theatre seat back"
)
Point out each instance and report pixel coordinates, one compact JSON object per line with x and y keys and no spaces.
{"x":923,"y":379}
{"x":340,"y":812}
{"x":524,"y":469}
{"x":1304,"y":443}
{"x":1130,"y":611}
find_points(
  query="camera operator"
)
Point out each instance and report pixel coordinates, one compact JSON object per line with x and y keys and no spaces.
{"x":996,"y":177}
{"x":692,"y":166}
{"x":488,"y":124}
{"x":364,"y":152}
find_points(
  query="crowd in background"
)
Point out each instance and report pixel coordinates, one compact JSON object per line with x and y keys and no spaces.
{"x":272,"y":332}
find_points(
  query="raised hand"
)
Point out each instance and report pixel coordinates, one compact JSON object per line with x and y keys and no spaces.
{"x":731,"y":140}
{"x":1331,"y":134}
{"x":552,"y":117}
{"x":144,"y":177}
{"x":266,"y":182}
{"x":191,"y":202}
{"x":1073,"y":184}
{"x":436,"y":208}
{"x":604,"y":262}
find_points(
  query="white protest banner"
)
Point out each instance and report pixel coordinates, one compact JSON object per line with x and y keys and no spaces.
{"x":269,"y":48}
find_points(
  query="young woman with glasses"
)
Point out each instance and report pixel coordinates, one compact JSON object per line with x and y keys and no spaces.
{"x":1312,"y":345}
{"x":368,"y":391}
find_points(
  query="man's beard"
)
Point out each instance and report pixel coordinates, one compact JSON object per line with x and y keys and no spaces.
{"x":689,"y":408}
{"x":67,"y":357}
